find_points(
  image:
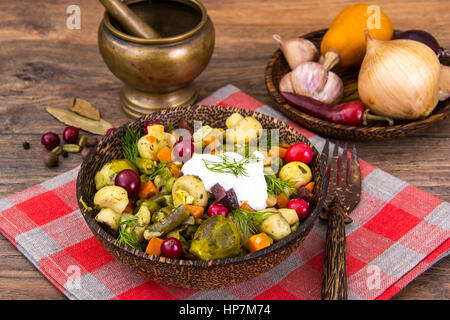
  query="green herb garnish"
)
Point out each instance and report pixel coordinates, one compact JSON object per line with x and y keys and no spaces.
{"x":249,"y":221}
{"x":161,"y":169}
{"x":170,"y":127}
{"x":129,"y":144}
{"x":229,"y":165}
{"x":127,"y":234}
{"x":86,"y":207}
{"x":276,"y":186}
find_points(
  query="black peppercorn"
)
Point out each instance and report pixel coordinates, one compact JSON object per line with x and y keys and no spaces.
{"x":65,"y":154}
{"x":26,"y":145}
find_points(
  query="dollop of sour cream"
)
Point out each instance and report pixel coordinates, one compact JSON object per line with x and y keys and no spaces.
{"x":251,"y":187}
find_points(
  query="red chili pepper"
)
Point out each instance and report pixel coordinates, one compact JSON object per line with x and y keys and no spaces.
{"x":350,"y":113}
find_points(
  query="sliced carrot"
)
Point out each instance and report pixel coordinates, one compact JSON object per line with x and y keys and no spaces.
{"x":277,"y":152}
{"x":245,"y":206}
{"x":310,"y":186}
{"x":151,"y":138}
{"x":154,"y":246}
{"x":209,"y":139}
{"x":196,"y":211}
{"x":165,"y":154}
{"x":210,"y":144}
{"x":258,"y":242}
{"x":147,"y":190}
{"x":285,"y":145}
{"x":282,"y":201}
{"x":209,"y":149}
{"x":130,"y":207}
{"x":175,"y":170}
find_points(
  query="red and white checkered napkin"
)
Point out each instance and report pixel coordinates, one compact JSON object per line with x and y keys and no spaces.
{"x":398,"y":232}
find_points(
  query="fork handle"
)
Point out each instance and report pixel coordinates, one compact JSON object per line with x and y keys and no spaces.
{"x":334,"y":281}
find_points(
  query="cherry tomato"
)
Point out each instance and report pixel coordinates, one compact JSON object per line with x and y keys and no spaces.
{"x":50,"y":140}
{"x":109,"y":131}
{"x":183,"y":150}
{"x":299,"y":152}
{"x":151,"y":123}
{"x":70,"y":134}
{"x":217,"y":209}
{"x":129,"y":180}
{"x":171,"y":248}
{"x":300,"y":206}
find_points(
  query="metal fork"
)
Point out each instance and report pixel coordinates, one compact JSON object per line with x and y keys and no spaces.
{"x":344,"y":193}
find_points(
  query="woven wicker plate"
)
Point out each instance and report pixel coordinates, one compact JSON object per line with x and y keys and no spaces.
{"x":277,"y":67}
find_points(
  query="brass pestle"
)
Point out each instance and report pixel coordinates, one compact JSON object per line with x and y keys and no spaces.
{"x":129,"y":21}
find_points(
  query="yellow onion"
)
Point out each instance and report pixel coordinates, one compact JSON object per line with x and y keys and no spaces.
{"x":399,"y":78}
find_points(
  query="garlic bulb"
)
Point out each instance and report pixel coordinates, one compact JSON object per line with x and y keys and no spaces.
{"x":286,"y":84}
{"x":311,"y":79}
{"x":332,"y":92}
{"x":399,"y":78}
{"x":308,"y":78}
{"x":297,"y":51}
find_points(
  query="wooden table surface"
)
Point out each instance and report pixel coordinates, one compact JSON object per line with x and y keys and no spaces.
{"x":43,"y":63}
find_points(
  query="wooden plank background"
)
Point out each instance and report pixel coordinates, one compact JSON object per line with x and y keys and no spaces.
{"x":43,"y":63}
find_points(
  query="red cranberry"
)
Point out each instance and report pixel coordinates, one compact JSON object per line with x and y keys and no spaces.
{"x":300,"y":206}
{"x":182,"y":134}
{"x":70,"y":134}
{"x":151,"y":123}
{"x":171,"y":248}
{"x":109,"y":131}
{"x":183,"y":150}
{"x":50,"y":140}
{"x":217,"y":209}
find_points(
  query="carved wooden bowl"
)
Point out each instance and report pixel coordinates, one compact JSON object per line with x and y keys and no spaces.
{"x":196,"y":273}
{"x":277,"y":67}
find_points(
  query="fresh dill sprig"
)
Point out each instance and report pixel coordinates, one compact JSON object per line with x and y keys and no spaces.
{"x":276,"y":186}
{"x":127,"y":234}
{"x":249,"y":221}
{"x":170,"y":127}
{"x":129,"y":144}
{"x":227,"y":164}
{"x":161,"y":169}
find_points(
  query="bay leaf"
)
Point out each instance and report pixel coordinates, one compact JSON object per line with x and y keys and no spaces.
{"x":84,"y":108}
{"x":72,"y":119}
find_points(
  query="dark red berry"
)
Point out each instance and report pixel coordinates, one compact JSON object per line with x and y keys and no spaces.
{"x":171,"y":248}
{"x":70,"y":134}
{"x":109,"y":131}
{"x":300,"y":206}
{"x":183,"y":150}
{"x":129,"y":180}
{"x":50,"y":140}
{"x":151,"y":123}
{"x":217,"y":209}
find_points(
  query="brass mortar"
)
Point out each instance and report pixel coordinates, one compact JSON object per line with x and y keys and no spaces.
{"x":159,"y":73}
